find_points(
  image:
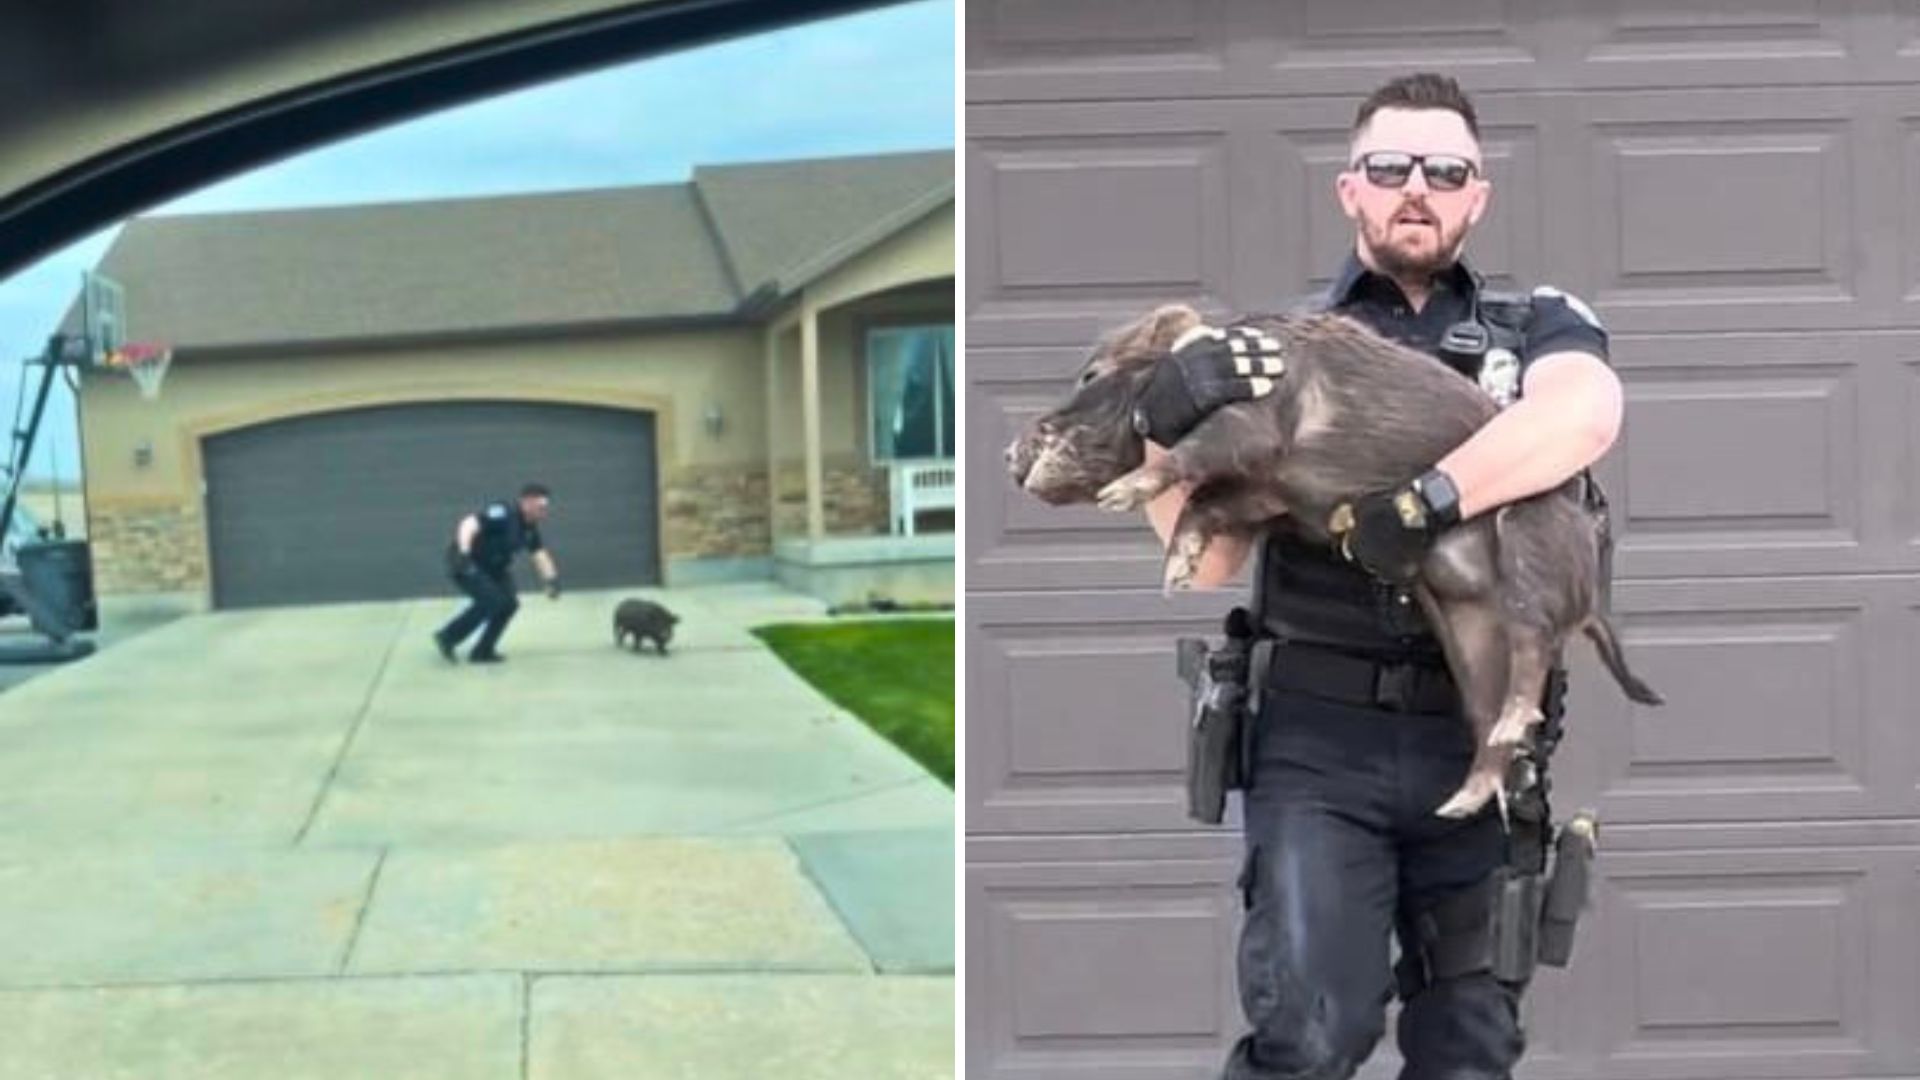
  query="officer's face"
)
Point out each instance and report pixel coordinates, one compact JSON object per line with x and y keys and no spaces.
{"x":1417,"y":227}
{"x":534,"y":510}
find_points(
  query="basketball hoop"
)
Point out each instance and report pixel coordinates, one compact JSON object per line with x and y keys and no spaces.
{"x":146,"y":361}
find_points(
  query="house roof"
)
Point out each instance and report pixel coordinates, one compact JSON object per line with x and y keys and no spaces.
{"x":704,"y":249}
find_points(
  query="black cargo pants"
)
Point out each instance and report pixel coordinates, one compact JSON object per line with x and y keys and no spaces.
{"x":492,"y":602}
{"x":1342,"y":848}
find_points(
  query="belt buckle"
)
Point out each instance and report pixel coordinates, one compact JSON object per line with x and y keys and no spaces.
{"x":1393,"y":686}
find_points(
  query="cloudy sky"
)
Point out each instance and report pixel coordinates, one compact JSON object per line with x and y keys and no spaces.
{"x":872,"y":83}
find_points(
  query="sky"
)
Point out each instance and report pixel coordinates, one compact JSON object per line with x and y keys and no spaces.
{"x":877,"y":82}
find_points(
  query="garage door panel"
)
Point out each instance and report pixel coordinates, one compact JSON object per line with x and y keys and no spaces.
{"x":1096,"y":48}
{"x":360,"y":504}
{"x":1764,"y":454}
{"x":1719,"y":43}
{"x":1157,"y":228}
{"x":1112,"y":961}
{"x":1784,"y":701}
{"x":1747,"y":209}
{"x":1769,"y":963}
{"x":1079,"y":716}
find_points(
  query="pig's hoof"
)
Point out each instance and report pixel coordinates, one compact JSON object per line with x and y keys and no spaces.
{"x":1469,"y":799}
{"x":1178,"y":575}
{"x":1513,"y":725}
{"x":1127,"y":493}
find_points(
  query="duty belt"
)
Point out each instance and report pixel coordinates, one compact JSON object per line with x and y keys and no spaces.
{"x":1396,"y":686}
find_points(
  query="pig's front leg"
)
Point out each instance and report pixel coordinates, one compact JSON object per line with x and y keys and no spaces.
{"x":1219,"y":509}
{"x":1235,"y":442}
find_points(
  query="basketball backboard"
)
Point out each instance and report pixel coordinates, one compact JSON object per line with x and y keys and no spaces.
{"x":103,"y":305}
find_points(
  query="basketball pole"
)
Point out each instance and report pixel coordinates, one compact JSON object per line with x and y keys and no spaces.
{"x":47,"y":619}
{"x":58,"y":354}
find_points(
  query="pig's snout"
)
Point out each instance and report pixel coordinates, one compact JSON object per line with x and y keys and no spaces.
{"x":1023,"y":452}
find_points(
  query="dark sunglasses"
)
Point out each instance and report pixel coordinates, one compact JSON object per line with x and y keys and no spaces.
{"x":1393,"y":168}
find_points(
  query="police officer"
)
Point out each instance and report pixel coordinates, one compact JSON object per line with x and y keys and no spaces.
{"x":1358,"y":738}
{"x":479,"y":559}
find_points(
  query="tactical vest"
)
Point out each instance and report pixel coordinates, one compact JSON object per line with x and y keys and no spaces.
{"x":1305,"y":592}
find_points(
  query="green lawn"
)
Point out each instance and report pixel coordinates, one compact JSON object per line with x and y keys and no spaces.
{"x":895,"y":674}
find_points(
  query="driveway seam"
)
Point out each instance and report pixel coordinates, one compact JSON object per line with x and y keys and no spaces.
{"x":526,"y":1025}
{"x":826,"y":897}
{"x":831,"y":800}
{"x":649,"y":971}
{"x":360,"y":718}
{"x":366,"y":904}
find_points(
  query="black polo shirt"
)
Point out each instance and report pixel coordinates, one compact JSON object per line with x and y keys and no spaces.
{"x":503,"y":531}
{"x":1560,"y":322}
{"x":1313,"y":595}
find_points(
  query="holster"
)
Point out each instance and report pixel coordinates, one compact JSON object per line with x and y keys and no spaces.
{"x":1525,"y":913}
{"x":1220,"y":688}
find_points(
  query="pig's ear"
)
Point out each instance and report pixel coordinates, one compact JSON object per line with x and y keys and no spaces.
{"x":1167,"y":323}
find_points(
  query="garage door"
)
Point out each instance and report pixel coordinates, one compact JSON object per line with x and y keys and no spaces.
{"x":1735,"y":186}
{"x":359,"y":505}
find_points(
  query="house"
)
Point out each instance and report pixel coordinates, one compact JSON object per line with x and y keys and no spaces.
{"x":746,"y":375}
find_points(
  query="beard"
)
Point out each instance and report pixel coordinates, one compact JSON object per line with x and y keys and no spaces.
{"x":1409,"y":255}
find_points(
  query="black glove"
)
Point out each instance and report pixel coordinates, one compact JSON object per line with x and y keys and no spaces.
{"x":463,"y":564}
{"x":1209,"y":367}
{"x":553,"y":588}
{"x":1388,"y":532}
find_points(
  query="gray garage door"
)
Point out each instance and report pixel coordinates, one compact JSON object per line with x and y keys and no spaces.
{"x":360,"y":505}
{"x":1736,"y":187}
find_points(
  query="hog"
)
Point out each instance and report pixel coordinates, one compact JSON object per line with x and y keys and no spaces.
{"x":1350,"y":414}
{"x":641,"y":620}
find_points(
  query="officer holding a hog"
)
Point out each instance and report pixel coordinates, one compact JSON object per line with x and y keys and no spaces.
{"x":1355,"y":740}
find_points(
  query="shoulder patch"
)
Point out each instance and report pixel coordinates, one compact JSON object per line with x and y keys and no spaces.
{"x":497,"y":511}
{"x":1574,"y":304}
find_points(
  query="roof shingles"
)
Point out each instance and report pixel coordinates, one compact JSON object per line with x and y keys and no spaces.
{"x":407,"y":270}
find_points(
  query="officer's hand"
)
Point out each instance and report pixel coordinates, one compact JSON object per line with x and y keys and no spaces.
{"x":1389,"y":532}
{"x":553,"y":588}
{"x":1208,"y":367}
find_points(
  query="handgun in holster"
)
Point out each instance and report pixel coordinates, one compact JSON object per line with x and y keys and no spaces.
{"x":1218,"y":680}
{"x":1548,"y":882}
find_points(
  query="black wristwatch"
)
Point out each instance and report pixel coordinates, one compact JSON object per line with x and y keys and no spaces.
{"x":1436,"y":489}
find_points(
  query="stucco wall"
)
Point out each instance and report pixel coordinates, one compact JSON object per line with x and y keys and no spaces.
{"x":721,"y":498}
{"x":146,"y":520}
{"x":907,"y":278}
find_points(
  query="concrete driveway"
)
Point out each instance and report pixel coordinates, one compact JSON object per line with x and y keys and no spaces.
{"x":299,"y":844}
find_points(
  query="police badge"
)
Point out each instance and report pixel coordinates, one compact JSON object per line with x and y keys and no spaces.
{"x":1500,"y":376}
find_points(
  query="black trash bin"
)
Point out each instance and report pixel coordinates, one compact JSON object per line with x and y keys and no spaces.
{"x":59,"y":574}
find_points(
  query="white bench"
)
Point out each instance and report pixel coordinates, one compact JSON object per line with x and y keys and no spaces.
{"x":920,"y":485}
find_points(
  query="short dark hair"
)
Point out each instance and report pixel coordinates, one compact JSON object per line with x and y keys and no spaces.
{"x":1421,"y":90}
{"x":535,"y":491}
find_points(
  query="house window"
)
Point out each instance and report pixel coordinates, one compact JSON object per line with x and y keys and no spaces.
{"x":910,"y":391}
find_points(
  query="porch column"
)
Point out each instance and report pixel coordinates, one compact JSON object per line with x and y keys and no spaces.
{"x":773,"y":432}
{"x":810,"y":410}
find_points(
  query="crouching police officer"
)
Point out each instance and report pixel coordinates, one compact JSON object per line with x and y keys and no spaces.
{"x":1356,"y":736}
{"x":479,"y":560}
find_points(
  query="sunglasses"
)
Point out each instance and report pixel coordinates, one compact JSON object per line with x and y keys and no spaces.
{"x":1393,"y":168}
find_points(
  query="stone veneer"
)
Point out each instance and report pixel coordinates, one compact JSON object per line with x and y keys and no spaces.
{"x":716,"y":511}
{"x":855,"y":500}
{"x":710,"y":512}
{"x":146,"y":547}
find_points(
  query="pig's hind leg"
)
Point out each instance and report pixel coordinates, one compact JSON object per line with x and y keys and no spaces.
{"x":1474,"y":640}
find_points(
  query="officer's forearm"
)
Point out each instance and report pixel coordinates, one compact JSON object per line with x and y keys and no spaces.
{"x":543,"y":562}
{"x":469,"y":528}
{"x":1225,"y":554}
{"x":1568,"y":416}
